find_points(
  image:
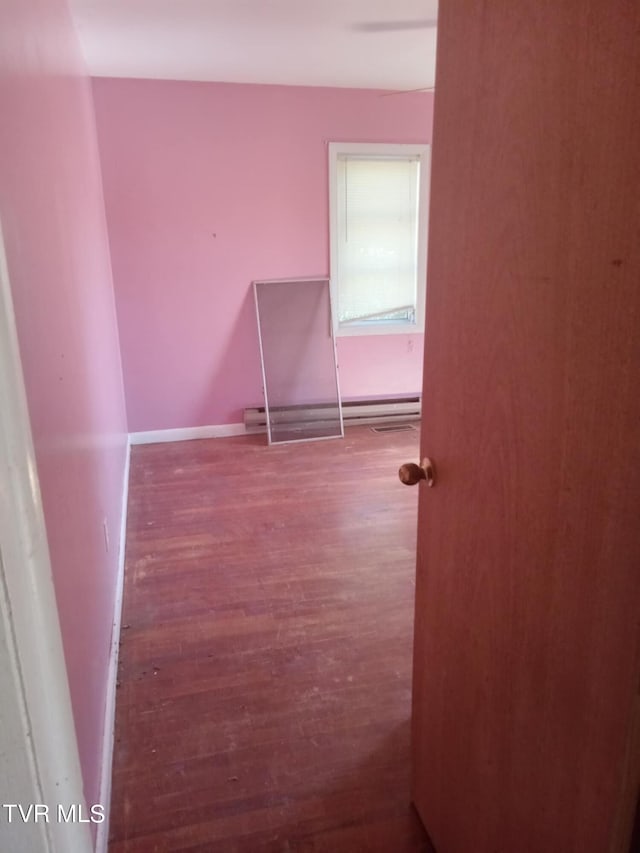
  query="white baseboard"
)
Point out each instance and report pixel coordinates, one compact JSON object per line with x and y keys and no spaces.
{"x":102,"y":834}
{"x":156,"y":436}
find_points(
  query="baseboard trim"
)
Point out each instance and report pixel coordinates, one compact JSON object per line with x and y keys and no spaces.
{"x":156,"y":436}
{"x":102,"y":834}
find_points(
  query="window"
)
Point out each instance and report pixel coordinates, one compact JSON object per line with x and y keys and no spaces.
{"x":378,"y":197}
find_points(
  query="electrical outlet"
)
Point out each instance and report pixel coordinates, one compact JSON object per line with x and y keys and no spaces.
{"x":105,"y":528}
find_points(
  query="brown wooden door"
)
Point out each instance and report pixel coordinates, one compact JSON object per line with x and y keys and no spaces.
{"x":528,"y":572}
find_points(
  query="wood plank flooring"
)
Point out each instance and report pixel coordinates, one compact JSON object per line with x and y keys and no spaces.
{"x":265,"y":662}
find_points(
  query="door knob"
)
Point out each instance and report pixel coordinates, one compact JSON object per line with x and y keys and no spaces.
{"x":410,"y":473}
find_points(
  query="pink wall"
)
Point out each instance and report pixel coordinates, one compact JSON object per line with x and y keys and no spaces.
{"x":209,"y":186}
{"x":52,"y":213}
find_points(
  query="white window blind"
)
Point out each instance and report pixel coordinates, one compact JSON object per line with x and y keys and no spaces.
{"x":377,"y":200}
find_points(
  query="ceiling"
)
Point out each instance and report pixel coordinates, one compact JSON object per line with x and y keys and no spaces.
{"x":386,"y":44}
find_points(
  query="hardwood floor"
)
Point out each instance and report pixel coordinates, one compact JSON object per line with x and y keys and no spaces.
{"x":265,"y":661}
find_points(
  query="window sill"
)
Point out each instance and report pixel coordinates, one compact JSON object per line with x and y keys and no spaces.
{"x":370,"y":330}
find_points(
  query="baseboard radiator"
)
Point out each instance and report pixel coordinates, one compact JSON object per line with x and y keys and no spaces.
{"x":402,"y":410}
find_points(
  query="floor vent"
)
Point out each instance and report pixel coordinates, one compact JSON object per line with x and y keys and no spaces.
{"x":390,"y":412}
{"x":393,"y":428}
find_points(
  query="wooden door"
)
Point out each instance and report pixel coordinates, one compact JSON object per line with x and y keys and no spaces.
{"x":528,"y":572}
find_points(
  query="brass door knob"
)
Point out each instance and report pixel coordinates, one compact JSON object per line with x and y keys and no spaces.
{"x":410,"y":473}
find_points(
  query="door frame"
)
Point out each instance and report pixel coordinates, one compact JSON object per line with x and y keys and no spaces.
{"x":39,"y":706}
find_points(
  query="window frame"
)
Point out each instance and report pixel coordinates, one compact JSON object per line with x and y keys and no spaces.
{"x":391,"y":150}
